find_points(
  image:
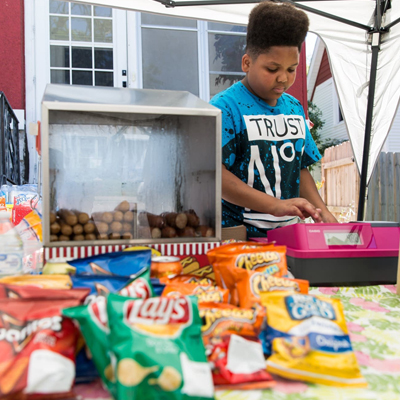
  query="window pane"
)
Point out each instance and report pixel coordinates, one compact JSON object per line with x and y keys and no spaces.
{"x":103,"y":30}
{"x":59,"y":76}
{"x":80,"y":9}
{"x":104,"y":79}
{"x":102,"y":11}
{"x":152,"y":19}
{"x":82,"y":57}
{"x":226,"y":52}
{"x":220,"y":82}
{"x":59,"y":56}
{"x":103,"y":58}
{"x":170,"y":60}
{"x":58,"y":7}
{"x":81,"y":29}
{"x":82,"y":78}
{"x":59,"y":29}
{"x":216,"y":26}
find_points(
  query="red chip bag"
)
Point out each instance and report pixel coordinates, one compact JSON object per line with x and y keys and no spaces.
{"x":37,"y":346}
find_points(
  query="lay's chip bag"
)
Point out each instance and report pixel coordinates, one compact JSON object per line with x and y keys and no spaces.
{"x":232,"y":261}
{"x":158,"y":348}
{"x":310,"y":340}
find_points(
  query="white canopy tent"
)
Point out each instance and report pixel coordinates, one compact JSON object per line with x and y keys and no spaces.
{"x":362,"y":38}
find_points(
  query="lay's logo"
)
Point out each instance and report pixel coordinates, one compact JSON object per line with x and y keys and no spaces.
{"x":302,"y":306}
{"x":259,"y":282}
{"x":139,"y":288}
{"x":97,"y":309}
{"x":252,"y":261}
{"x":157,"y":311}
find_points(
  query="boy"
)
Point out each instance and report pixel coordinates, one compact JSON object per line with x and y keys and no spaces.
{"x":266,"y":145}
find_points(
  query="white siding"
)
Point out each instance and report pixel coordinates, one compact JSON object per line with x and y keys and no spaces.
{"x":326,"y":100}
{"x":393,"y":140}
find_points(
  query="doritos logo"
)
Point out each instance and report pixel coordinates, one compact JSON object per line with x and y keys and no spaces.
{"x":18,"y":332}
{"x":139,"y":288}
{"x":157,"y":310}
{"x":252,"y":261}
{"x":259,"y":282}
{"x":212,"y":316}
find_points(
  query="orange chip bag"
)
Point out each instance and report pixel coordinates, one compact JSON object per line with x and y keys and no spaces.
{"x":204,"y":294}
{"x":230,"y":262}
{"x":41,"y":281}
{"x":194,"y":280}
{"x":251,"y":284}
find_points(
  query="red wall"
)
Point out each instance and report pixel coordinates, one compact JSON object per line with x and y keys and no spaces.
{"x":12,"y":60}
{"x":299,"y":88}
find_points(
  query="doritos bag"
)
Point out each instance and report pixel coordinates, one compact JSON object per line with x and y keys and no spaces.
{"x":158,"y":348}
{"x":310,"y":341}
{"x":37,"y":346}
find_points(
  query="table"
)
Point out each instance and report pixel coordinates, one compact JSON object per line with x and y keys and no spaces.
{"x":373,"y":320}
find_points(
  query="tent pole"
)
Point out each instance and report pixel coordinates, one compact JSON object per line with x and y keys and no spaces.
{"x":368,"y":125}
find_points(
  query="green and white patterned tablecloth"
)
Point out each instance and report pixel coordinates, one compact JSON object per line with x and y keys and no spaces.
{"x":373,"y":320}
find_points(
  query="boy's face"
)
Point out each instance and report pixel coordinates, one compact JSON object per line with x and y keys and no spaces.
{"x":272,"y":73}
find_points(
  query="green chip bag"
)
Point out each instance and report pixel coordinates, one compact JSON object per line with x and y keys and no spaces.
{"x":93,"y":322}
{"x":159,"y":349}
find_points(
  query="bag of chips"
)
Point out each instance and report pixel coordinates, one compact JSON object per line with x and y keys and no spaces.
{"x":158,"y":349}
{"x":37,"y":346}
{"x":310,"y":340}
{"x":41,"y":281}
{"x":204,"y":294}
{"x":123,"y":263}
{"x":194,"y":280}
{"x":250,"y":284}
{"x":230,"y":335}
{"x":232,"y":261}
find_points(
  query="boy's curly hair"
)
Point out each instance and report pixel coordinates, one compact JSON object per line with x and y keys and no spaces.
{"x":275,"y":24}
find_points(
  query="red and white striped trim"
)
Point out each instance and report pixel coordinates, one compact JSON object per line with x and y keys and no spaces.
{"x":167,"y":249}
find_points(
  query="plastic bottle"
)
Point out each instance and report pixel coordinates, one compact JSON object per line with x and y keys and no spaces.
{"x":11,"y":247}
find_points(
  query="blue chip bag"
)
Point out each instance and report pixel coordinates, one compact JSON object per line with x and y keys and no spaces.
{"x":123,"y":263}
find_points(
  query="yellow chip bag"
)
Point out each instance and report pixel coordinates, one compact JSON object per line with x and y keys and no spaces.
{"x":310,"y":340}
{"x":42,"y":281}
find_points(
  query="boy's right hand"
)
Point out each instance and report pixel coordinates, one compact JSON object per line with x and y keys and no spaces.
{"x":297,"y":207}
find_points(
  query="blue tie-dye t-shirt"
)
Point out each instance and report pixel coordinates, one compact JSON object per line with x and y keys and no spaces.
{"x":266,"y":147}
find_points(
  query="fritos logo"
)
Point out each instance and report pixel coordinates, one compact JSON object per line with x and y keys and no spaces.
{"x":251,"y":261}
{"x":208,"y":294}
{"x":18,"y":332}
{"x":139,"y":288}
{"x":212,"y":316}
{"x":260,"y":282}
{"x":157,"y":311}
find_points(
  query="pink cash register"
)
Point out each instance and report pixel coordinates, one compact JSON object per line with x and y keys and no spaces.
{"x":355,"y":253}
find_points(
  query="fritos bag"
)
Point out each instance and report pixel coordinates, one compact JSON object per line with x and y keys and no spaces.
{"x":40,"y":281}
{"x":251,"y":284}
{"x":204,"y":294}
{"x":37,"y":346}
{"x":310,"y":341}
{"x":230,"y":335}
{"x":232,"y":261}
{"x":194,"y":280}
{"x":158,"y":348}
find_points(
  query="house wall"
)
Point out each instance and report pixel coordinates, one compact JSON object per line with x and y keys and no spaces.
{"x":326,"y":100}
{"x":12,"y":70}
{"x":393,"y":141}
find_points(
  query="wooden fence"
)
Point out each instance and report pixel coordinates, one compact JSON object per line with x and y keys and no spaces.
{"x":341,"y":185}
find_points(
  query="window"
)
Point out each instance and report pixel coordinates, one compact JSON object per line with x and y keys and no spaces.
{"x":201,"y":57}
{"x":81,"y":44}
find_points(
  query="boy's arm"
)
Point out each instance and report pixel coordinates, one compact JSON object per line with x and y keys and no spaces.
{"x":237,"y":192}
{"x":309,"y":191}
